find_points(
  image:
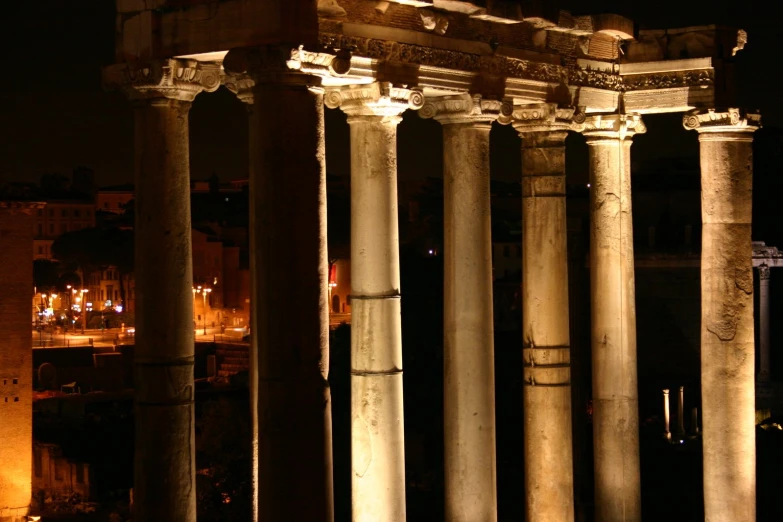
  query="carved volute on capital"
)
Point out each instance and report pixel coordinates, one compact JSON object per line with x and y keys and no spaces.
{"x":174,"y":79}
{"x":276,"y":64}
{"x":731,"y":120}
{"x":241,"y":84}
{"x":613,"y":126}
{"x":763,"y":272}
{"x":462,"y":108}
{"x":542,"y":117}
{"x":375,"y":99}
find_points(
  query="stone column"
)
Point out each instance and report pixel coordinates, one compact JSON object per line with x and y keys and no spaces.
{"x":17,"y":221}
{"x":290,"y":395}
{"x":764,"y":339}
{"x":377,"y":435}
{"x":164,"y":465}
{"x":468,"y":359}
{"x":613,"y":310}
{"x":727,"y":339}
{"x":681,"y":414}
{"x":549,"y":478}
{"x":667,"y":434}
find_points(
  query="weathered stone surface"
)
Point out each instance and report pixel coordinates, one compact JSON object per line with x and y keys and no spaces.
{"x":469,"y":374}
{"x":727,"y":336}
{"x":16,"y":377}
{"x":377,"y":433}
{"x":289,"y":271}
{"x":613,"y":311}
{"x":164,"y":465}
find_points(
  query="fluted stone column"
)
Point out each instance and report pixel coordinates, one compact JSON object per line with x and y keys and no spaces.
{"x":292,"y":435}
{"x":377,"y":435}
{"x":549,"y":477}
{"x":164,"y":464}
{"x":613,"y":310}
{"x":468,"y":358}
{"x":727,"y":338}
{"x":764,"y":338}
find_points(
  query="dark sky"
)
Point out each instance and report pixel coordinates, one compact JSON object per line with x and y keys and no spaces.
{"x":55,"y":115}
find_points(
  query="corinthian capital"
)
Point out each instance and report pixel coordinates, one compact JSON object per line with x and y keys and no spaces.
{"x":616,"y":126}
{"x":541,"y":117}
{"x":730,"y":120}
{"x":375,"y":99}
{"x":176,"y":79}
{"x":462,"y":108}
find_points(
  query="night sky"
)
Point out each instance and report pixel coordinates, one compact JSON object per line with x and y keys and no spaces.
{"x":55,"y":115}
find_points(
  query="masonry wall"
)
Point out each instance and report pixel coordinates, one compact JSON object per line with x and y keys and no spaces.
{"x":16,"y":412}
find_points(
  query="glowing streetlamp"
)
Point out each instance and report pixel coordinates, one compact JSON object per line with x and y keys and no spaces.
{"x":203,"y":292}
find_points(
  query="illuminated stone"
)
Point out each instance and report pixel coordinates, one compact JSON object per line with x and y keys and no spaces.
{"x":469,"y":372}
{"x":727,"y":337}
{"x":613,"y":310}
{"x":377,"y":434}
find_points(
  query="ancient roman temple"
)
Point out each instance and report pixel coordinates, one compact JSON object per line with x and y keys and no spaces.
{"x":464,"y":64}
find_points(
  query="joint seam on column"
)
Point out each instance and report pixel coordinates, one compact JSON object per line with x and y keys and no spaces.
{"x":370,"y":297}
{"x":366,"y":373}
{"x":547,"y":385}
{"x":554,"y":347}
{"x":545,"y":366}
{"x":545,"y":195}
{"x":166,"y":403}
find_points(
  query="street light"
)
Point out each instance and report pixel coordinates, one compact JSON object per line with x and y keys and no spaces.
{"x":203,"y":292}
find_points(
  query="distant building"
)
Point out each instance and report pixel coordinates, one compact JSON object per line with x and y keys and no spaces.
{"x":58,"y":217}
{"x":113,"y":199}
{"x":55,"y":476}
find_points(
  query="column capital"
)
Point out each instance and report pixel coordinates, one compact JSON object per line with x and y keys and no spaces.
{"x":541,"y":117}
{"x":375,"y":99}
{"x":241,"y":84}
{"x":612,"y":126}
{"x":287,"y":65}
{"x":731,"y":120}
{"x":462,"y":108}
{"x":763,"y":272}
{"x":173,"y":78}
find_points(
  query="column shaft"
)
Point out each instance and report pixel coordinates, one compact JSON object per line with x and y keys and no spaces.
{"x":289,"y":282}
{"x":613,"y":310}
{"x":164,"y":484}
{"x":468,"y":359}
{"x":764,"y":337}
{"x":549,"y":485}
{"x":727,"y":344}
{"x":377,"y":435}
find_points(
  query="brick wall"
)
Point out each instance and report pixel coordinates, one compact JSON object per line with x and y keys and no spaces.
{"x":16,"y":409}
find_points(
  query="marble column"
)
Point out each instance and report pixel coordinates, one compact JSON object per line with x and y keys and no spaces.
{"x":468,"y":358}
{"x":667,"y":434}
{"x":164,"y":464}
{"x":549,"y":478}
{"x":764,"y":339}
{"x":613,"y":311}
{"x":292,"y":435}
{"x":377,"y":435}
{"x":727,"y":337}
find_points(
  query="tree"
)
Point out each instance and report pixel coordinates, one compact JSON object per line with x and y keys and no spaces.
{"x":119,"y":252}
{"x":83,"y":251}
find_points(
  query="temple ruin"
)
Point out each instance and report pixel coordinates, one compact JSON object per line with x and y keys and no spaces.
{"x":465,"y":64}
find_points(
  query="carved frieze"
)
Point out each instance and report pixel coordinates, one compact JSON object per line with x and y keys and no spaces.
{"x":597,"y":79}
{"x":176,"y":79}
{"x":730,"y":120}
{"x":375,"y":99}
{"x":639,"y":82}
{"x":461,"y":109}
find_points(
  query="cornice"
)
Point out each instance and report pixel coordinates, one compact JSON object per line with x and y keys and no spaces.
{"x":176,"y":79}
